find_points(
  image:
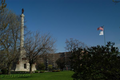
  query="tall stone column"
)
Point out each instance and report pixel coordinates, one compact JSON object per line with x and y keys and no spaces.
{"x":22,"y":51}
{"x":22,"y":31}
{"x":22,"y":58}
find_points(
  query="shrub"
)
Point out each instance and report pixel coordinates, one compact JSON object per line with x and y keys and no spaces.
{"x":42,"y":71}
{"x":40,"y":66}
{"x":4,"y":71}
{"x":50,"y":67}
{"x":36,"y":71}
{"x":96,"y":63}
{"x":54,"y":70}
{"x":57,"y":70}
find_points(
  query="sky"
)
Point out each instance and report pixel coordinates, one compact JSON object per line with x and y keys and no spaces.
{"x":77,"y":19}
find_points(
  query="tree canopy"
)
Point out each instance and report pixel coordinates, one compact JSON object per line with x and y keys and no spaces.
{"x":96,"y":63}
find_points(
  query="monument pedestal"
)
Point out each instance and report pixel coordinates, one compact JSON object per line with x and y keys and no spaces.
{"x":24,"y":66}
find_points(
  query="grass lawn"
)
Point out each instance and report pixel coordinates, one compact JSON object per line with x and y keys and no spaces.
{"x":63,"y":75}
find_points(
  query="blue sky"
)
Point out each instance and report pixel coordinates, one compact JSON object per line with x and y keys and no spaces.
{"x":77,"y":19}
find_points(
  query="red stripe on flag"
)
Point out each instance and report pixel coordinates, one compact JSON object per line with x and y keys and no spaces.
{"x":100,"y":28}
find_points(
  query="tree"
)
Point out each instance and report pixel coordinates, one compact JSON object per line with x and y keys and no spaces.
{"x":3,"y":5}
{"x":2,"y":58}
{"x":9,"y":37}
{"x":97,"y":63}
{"x":36,"y":44}
{"x":61,"y":62}
{"x":115,"y":1}
{"x":9,"y":40}
{"x":72,"y":44}
{"x":40,"y":66}
{"x":50,"y":67}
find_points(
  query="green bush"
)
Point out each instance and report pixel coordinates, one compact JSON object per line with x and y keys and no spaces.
{"x":96,"y":63}
{"x":42,"y":71}
{"x":4,"y":71}
{"x":40,"y":66}
{"x":50,"y":67}
{"x":36,"y":71}
{"x":54,"y":70}
{"x":57,"y":70}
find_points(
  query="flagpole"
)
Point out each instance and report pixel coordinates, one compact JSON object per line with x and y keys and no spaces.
{"x":104,"y":35}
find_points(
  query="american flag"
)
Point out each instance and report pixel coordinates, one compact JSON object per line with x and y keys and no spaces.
{"x":100,"y":28}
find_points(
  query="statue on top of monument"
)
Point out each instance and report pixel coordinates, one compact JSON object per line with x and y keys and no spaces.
{"x":22,"y":10}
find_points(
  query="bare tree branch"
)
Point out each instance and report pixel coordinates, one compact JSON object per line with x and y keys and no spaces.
{"x":72,"y":44}
{"x":36,"y":44}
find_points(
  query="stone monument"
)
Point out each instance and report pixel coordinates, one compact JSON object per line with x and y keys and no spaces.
{"x":23,"y":62}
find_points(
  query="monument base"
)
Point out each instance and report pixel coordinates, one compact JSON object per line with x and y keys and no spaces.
{"x":24,"y":66}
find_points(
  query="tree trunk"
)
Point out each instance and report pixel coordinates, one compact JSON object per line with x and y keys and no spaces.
{"x":30,"y":68}
{"x":62,"y":69}
{"x":9,"y":68}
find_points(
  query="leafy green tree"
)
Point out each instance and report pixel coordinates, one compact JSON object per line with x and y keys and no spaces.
{"x":96,"y":63}
{"x":50,"y":67}
{"x":61,"y":62}
{"x":40,"y":66}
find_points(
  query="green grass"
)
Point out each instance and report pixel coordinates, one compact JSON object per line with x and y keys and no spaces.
{"x":63,"y":75}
